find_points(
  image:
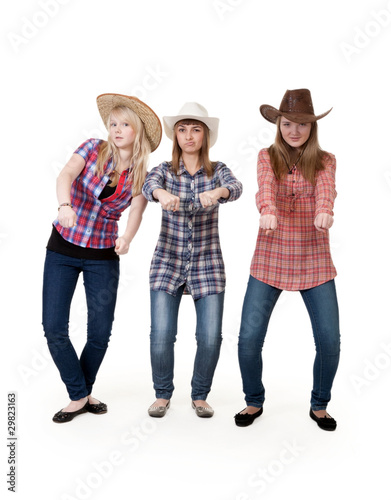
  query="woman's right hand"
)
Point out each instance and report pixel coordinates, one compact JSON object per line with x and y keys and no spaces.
{"x":67,"y":216}
{"x":268,"y":222}
{"x":167,"y":200}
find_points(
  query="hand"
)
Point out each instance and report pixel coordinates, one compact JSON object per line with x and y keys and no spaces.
{"x":210,"y":198}
{"x":121,"y":246}
{"x":167,"y":200}
{"x":67,"y":217}
{"x":268,"y":222}
{"x":323,"y":222}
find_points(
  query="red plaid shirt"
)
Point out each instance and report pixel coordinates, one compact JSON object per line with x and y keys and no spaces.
{"x":296,"y":256}
{"x":96,"y":219}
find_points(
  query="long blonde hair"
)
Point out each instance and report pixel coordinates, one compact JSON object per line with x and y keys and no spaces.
{"x":204,"y":151}
{"x":140,"y":153}
{"x":282,"y":156}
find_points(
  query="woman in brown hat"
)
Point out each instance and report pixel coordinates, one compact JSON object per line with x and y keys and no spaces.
{"x":295,"y":199}
{"x":98,"y":183}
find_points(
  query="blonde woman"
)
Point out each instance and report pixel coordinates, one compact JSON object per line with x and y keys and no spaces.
{"x":187,"y":259}
{"x":296,"y":180}
{"x":99,"y":182}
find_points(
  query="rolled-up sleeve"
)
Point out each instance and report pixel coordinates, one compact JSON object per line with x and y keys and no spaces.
{"x":229,"y":181}
{"x":267,"y":185}
{"x":154,"y":180}
{"x":325,"y":192}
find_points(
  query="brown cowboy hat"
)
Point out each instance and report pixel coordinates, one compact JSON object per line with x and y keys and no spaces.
{"x":152,"y":125}
{"x":296,"y":105}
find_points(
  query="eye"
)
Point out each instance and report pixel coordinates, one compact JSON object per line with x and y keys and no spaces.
{"x":113,"y":124}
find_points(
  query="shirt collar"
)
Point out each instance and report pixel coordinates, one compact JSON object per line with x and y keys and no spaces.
{"x":182,"y":168}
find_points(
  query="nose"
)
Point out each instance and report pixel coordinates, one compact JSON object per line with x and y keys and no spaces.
{"x":296,"y":129}
{"x":188,"y":134}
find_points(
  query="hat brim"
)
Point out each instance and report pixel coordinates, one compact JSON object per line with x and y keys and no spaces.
{"x":271,"y":114}
{"x":153,"y":128}
{"x":212,"y":124}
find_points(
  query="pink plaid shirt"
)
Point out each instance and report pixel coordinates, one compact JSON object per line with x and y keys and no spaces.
{"x":296,"y":256}
{"x":96,"y":219}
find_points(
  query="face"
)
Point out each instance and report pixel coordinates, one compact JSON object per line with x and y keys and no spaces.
{"x":121,"y":132}
{"x":295,"y":134}
{"x":189,"y":137}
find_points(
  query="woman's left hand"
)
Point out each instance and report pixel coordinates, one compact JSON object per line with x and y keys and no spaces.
{"x":323,"y":222}
{"x":209,"y":198}
{"x":121,"y":246}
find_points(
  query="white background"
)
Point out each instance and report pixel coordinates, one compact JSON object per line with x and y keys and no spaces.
{"x":231,"y":56}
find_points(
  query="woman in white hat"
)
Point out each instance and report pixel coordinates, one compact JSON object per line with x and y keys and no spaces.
{"x":187,"y":258}
{"x":98,"y":183}
{"x":295,"y":199}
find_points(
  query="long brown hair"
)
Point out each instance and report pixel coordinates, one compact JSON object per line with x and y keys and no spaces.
{"x":204,"y":151}
{"x":141,"y":149}
{"x":283,"y":156}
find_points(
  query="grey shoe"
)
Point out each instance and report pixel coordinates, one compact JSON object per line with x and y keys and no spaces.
{"x":158,"y":411}
{"x":201,"y":411}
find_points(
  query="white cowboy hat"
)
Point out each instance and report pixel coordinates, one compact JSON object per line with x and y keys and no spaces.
{"x":192,"y":110}
{"x":152,"y":125}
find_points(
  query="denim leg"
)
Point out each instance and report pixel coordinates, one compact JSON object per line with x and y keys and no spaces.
{"x":60,"y":277}
{"x":101,"y":279}
{"x":164,"y":325}
{"x":258,"y":306}
{"x":322,"y":305}
{"x":209,"y":311}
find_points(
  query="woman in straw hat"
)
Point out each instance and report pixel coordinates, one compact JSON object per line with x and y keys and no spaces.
{"x":187,"y":258}
{"x":98,"y":183}
{"x":295,"y":199}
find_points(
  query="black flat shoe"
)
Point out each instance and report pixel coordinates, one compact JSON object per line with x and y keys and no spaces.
{"x":66,"y":416}
{"x":97,"y":408}
{"x":245,"y":419}
{"x":325,"y":423}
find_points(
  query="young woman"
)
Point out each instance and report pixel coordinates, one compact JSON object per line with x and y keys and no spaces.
{"x":187,"y":258}
{"x":295,"y":199}
{"x":99,"y":182}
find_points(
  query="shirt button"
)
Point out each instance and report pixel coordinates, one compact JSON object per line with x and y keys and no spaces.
{"x":190,"y":225}
{"x":189,"y":246}
{"x":191,"y":206}
{"x":93,"y":217}
{"x":88,"y":231}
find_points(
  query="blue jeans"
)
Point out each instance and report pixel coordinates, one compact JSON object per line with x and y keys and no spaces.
{"x":164,"y":321}
{"x":101,"y":283}
{"x":322,"y":306}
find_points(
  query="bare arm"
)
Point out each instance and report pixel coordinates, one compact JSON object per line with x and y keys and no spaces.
{"x":134,"y":220}
{"x":66,"y":215}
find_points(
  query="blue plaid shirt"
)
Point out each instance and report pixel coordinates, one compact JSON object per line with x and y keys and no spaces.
{"x":188,"y":250}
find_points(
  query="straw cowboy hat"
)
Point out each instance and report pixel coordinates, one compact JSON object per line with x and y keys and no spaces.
{"x":153,"y":128}
{"x":192,"y":110}
{"x":296,"y":105}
